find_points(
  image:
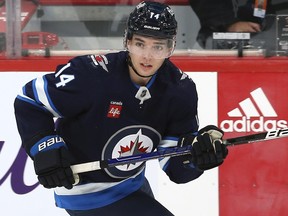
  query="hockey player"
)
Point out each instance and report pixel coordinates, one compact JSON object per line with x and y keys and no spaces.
{"x":131,"y":102}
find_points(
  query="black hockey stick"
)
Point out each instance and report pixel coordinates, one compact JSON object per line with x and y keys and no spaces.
{"x":269,"y":135}
{"x":172,"y":152}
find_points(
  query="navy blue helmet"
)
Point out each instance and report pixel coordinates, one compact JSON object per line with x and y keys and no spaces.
{"x":151,"y":19}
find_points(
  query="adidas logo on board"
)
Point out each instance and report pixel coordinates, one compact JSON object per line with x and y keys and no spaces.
{"x":252,"y":113}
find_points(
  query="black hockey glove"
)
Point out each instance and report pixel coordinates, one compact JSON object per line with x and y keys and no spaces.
{"x":53,"y":168}
{"x":208,"y":151}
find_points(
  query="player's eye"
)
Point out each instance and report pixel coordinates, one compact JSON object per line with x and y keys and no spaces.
{"x":139,"y":44}
{"x":158,"y":48}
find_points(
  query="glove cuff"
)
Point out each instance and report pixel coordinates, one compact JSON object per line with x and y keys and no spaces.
{"x":47,"y":143}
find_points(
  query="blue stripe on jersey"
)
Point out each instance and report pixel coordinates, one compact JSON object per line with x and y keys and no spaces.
{"x":48,"y":97}
{"x":35,"y":91}
{"x":24,"y":90}
{"x":171,"y":138}
{"x":166,"y":165}
{"x":164,"y":162}
{"x":100,"y":198}
{"x":41,"y":95}
{"x":47,"y":143}
{"x":167,"y":142}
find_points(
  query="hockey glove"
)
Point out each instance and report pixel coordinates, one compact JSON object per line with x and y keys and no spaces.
{"x":53,"y":168}
{"x":208,"y":151}
{"x":51,"y":161}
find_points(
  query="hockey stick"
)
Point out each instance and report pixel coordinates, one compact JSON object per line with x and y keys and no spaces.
{"x":177,"y":151}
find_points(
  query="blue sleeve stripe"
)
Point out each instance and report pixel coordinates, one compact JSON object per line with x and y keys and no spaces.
{"x":35,"y":91}
{"x":171,"y":138}
{"x":165,"y":165}
{"x":24,"y":90}
{"x":47,"y":143}
{"x":48,"y":97}
{"x":41,"y":95}
{"x":167,"y":143}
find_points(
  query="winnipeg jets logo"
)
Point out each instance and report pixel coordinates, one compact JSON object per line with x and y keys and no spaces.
{"x":129,"y":141}
{"x":130,"y":145}
{"x":135,"y":147}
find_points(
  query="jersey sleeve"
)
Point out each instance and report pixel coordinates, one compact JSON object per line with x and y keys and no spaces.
{"x":184,"y":120}
{"x":183,"y":108}
{"x":54,"y":95}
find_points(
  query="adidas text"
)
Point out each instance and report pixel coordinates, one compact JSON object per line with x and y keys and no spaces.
{"x":247,"y":125}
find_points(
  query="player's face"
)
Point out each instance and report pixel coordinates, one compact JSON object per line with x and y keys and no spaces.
{"x":147,"y":53}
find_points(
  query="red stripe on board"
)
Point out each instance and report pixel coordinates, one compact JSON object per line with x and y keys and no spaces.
{"x":185,"y":63}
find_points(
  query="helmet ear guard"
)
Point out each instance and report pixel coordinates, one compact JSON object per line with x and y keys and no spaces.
{"x":152,"y":19}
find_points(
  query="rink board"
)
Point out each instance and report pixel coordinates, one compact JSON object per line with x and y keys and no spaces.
{"x":242,"y":96}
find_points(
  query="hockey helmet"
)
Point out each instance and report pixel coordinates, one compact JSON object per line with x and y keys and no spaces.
{"x":151,"y":19}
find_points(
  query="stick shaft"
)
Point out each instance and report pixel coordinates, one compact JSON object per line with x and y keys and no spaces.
{"x":97,"y":165}
{"x":177,"y":151}
{"x":269,"y":135}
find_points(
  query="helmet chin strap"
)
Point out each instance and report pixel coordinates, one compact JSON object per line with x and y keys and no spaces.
{"x":134,"y":69}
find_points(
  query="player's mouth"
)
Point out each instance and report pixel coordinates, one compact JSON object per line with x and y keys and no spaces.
{"x":146,"y":66}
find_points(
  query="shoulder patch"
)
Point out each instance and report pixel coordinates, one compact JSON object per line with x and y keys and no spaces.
{"x":184,"y":75}
{"x":100,"y":60}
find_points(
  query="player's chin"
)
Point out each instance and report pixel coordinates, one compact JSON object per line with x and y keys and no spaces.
{"x":147,"y":73}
